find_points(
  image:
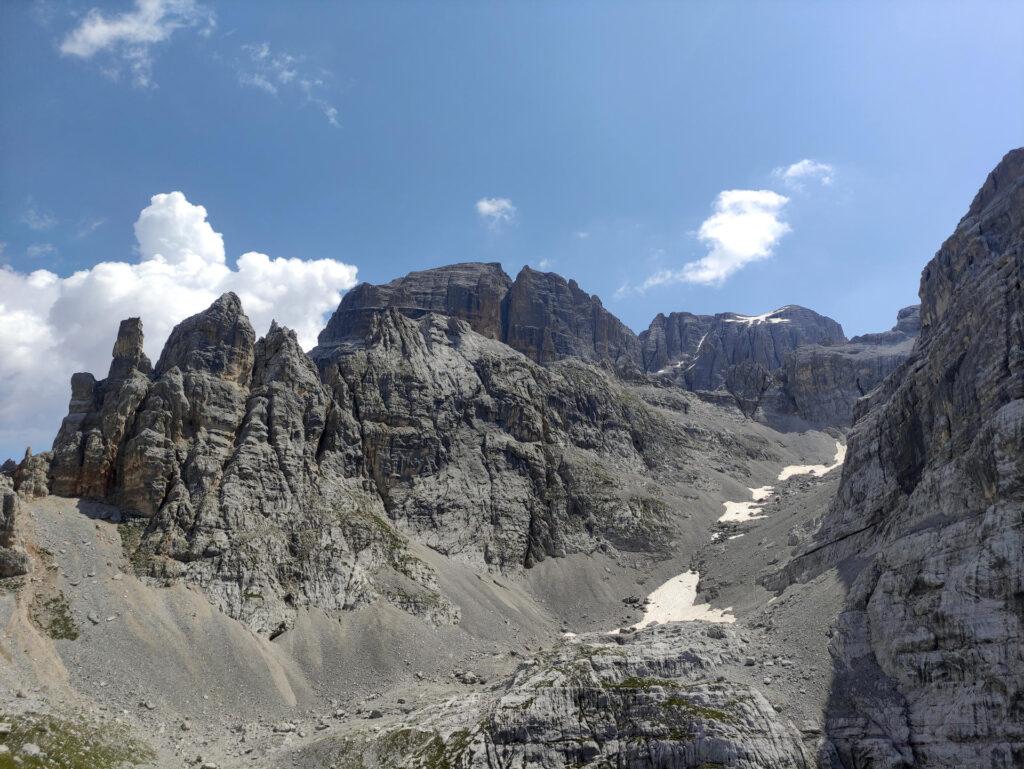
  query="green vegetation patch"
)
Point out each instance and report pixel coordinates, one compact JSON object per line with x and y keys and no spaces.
{"x":407,"y":748}
{"x":52,"y":615}
{"x":131,"y":544}
{"x":68,"y":744}
{"x":700,"y":711}
{"x":633,"y":682}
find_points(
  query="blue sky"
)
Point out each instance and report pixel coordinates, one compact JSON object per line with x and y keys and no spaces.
{"x":602,"y":134}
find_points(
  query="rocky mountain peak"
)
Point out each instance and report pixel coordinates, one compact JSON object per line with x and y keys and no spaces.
{"x":219,"y":340}
{"x":549,"y":318}
{"x":472,"y":291}
{"x":128,"y":351}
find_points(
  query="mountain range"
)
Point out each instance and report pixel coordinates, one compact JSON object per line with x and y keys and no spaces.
{"x":484,"y":524}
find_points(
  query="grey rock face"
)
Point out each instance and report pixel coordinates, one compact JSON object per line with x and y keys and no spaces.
{"x":246,"y":471}
{"x":472,"y":291}
{"x":822,"y":383}
{"x":31,"y":478}
{"x":544,"y":316}
{"x":85,"y":450}
{"x":652,"y":701}
{"x":928,"y":657}
{"x":549,"y":318}
{"x":674,"y":338}
{"x":14,"y":560}
{"x":698,"y":350}
{"x":487,"y":456}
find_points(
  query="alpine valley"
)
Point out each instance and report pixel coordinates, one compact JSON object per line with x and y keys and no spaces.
{"x":484,"y":524}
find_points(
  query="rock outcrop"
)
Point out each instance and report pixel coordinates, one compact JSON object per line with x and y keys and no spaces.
{"x":549,"y":318}
{"x":544,"y":316}
{"x":698,"y":350}
{"x":471,"y":291}
{"x":821,"y":383}
{"x":14,"y":560}
{"x":653,"y":699}
{"x":86,"y":448}
{"x":247,"y":474}
{"x":929,"y":518}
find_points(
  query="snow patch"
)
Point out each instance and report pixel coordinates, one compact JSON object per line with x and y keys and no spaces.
{"x":675,"y":601}
{"x":738,"y":512}
{"x":816,"y":470}
{"x":750,"y":320}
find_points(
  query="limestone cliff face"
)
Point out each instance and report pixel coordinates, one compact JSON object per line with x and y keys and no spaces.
{"x":930,"y":515}
{"x":698,"y":350}
{"x":234,"y":452}
{"x":472,"y":291}
{"x":86,"y":448}
{"x":651,"y":700}
{"x":544,"y":316}
{"x":549,"y":318}
{"x":821,"y":383}
{"x":487,"y":456}
{"x":14,"y":561}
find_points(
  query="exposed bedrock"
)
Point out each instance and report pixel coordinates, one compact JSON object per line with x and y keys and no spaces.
{"x":276,"y":484}
{"x":928,"y":654}
{"x":821,"y":384}
{"x":541,"y":314}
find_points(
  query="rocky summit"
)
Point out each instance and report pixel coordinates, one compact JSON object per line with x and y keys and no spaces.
{"x":485,"y":524}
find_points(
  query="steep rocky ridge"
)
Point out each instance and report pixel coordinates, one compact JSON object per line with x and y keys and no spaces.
{"x":928,"y":518}
{"x":549,"y":318}
{"x":235,"y":453}
{"x":821,"y":384}
{"x":472,"y":291}
{"x":698,"y":350}
{"x":544,"y":316}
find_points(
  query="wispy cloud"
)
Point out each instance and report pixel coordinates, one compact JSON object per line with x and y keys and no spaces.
{"x":276,"y":72}
{"x":37,"y":218}
{"x":127,"y":38}
{"x":797,"y":174}
{"x":496,"y":211}
{"x":38,"y":250}
{"x":88,"y":226}
{"x":743,"y":228}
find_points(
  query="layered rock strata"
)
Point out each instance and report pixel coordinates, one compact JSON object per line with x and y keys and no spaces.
{"x":822,"y":383}
{"x":544,"y":316}
{"x":928,"y":520}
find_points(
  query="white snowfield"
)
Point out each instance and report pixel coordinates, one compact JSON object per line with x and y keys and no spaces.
{"x":738,"y":512}
{"x":818,"y":470}
{"x":750,"y":320}
{"x":675,"y":601}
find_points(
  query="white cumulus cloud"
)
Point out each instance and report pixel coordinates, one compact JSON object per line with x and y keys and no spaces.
{"x":496,"y":210}
{"x":806,"y":170}
{"x":58,"y":325}
{"x":129,"y":36}
{"x":744,"y":228}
